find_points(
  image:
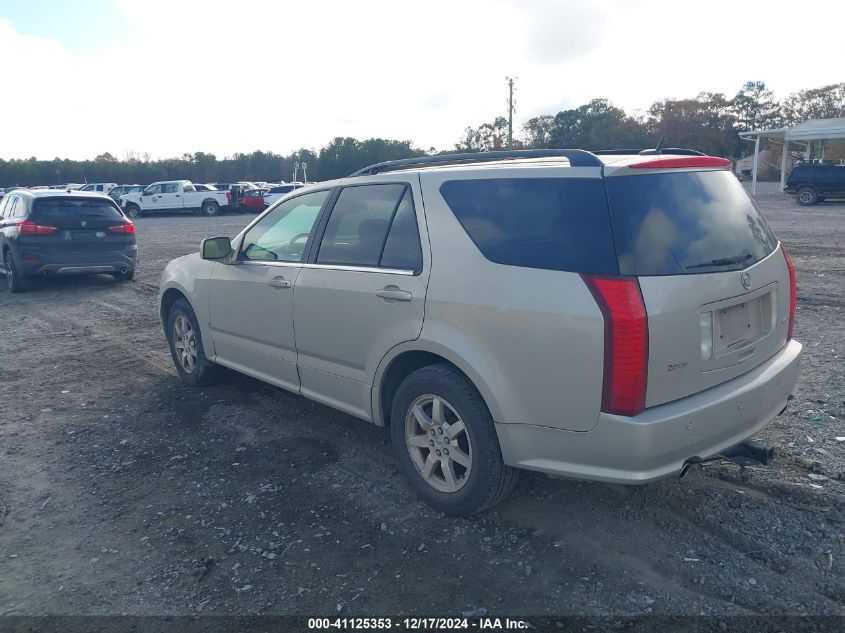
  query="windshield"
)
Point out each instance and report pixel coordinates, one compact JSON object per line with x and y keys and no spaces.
{"x":685,"y":223}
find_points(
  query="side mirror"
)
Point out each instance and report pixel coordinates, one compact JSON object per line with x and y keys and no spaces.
{"x":215,"y":248}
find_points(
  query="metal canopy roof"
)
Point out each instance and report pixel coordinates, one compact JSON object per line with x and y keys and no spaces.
{"x":817,"y":129}
{"x":814,"y":129}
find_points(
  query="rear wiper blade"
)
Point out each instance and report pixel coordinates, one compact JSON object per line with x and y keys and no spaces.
{"x":724,"y":261}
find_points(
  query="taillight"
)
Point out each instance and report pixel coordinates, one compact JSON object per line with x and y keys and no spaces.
{"x":684,"y":161}
{"x":625,"y":343}
{"x":792,"y":292}
{"x":126,"y":227}
{"x":228,"y":196}
{"x":28,"y":227}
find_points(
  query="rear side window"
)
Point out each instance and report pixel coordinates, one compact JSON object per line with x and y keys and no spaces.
{"x":685,"y":223}
{"x":61,"y":208}
{"x":374,"y":226}
{"x":551,"y":223}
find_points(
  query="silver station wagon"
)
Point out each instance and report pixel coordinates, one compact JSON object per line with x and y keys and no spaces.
{"x":607,"y":316}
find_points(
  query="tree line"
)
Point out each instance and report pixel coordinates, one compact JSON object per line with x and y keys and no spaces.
{"x":708,"y":122}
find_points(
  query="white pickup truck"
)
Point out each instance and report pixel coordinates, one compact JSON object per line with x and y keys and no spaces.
{"x":174,"y":195}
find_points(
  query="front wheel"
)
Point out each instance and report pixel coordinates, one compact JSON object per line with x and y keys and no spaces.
{"x":807,"y":196}
{"x":210,"y":207}
{"x":14,"y":281}
{"x":132,"y":211}
{"x":183,"y":337}
{"x":444,"y":437}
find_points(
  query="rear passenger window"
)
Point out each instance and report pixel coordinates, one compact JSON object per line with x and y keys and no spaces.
{"x":550,"y":223}
{"x":17,"y":208}
{"x":402,"y":248}
{"x":358,"y":228}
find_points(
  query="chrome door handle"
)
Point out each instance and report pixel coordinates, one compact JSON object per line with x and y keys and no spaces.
{"x":279,"y":282}
{"x":394,"y":293}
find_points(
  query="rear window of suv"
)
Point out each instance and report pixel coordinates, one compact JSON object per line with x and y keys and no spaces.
{"x":685,"y":223}
{"x":73,"y":208}
{"x":550,"y":223}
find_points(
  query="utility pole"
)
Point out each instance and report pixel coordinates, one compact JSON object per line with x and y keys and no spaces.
{"x":510,"y":81}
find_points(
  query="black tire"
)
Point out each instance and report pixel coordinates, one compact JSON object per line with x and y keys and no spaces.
{"x":14,"y":281}
{"x":127,"y":276}
{"x":489,"y":481}
{"x":132,"y":211}
{"x":210,"y":208}
{"x":204,"y":371}
{"x":806,"y":196}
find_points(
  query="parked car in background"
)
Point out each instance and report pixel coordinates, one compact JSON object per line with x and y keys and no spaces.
{"x":514,"y":310}
{"x":52,"y":232}
{"x":241,"y":184}
{"x":101,"y":187}
{"x":279,"y":191}
{"x":174,"y":195}
{"x":253,"y":200}
{"x":812,"y":183}
{"x":204,"y":187}
{"x":119,"y":190}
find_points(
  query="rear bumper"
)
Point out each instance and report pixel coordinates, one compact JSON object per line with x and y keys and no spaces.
{"x":656,"y":443}
{"x":34,"y":262}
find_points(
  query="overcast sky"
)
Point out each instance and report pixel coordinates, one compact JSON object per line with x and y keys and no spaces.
{"x":173,"y":76}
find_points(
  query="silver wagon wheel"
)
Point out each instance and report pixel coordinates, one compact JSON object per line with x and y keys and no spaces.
{"x":438,"y":443}
{"x":185,"y":343}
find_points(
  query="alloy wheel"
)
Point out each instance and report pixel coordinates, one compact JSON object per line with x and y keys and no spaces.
{"x":438,"y":443}
{"x":10,"y":272}
{"x":185,"y":343}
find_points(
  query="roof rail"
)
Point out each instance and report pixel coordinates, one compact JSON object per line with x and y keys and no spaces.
{"x":577,"y":158}
{"x":648,"y":152}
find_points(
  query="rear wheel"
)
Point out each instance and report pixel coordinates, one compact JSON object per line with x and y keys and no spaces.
{"x":14,"y":281}
{"x":183,"y":337}
{"x":133,"y":211}
{"x":807,"y":196}
{"x":129,"y":275}
{"x":210,"y":207}
{"x":444,"y":437}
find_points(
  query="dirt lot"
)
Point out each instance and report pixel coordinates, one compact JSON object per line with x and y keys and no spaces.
{"x":122,"y":491}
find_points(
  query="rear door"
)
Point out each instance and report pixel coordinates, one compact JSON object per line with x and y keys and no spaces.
{"x":714,"y":281}
{"x":362,"y":292}
{"x":839,"y":180}
{"x":79,"y":225}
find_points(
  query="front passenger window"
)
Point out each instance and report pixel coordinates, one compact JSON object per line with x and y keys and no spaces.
{"x":282,"y":234}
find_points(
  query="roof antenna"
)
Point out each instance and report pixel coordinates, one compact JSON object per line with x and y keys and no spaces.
{"x":659,"y":148}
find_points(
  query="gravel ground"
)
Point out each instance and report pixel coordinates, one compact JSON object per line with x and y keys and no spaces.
{"x":123,"y":491}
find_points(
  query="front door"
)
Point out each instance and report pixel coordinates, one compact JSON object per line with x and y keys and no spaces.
{"x":149,"y":198}
{"x":362,"y":293}
{"x":170,"y":197}
{"x":251,"y":298}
